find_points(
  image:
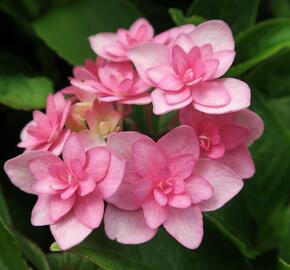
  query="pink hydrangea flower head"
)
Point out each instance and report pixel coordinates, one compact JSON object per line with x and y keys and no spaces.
{"x":226,"y":137}
{"x":71,"y":191}
{"x":187,"y":71}
{"x":114,"y":46}
{"x":76,"y":120}
{"x":111,"y":81}
{"x":165,"y":183}
{"x":46,"y":131}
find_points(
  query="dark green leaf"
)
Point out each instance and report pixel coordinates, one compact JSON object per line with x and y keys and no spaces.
{"x":238,"y":14}
{"x":70,"y":261}
{"x":285,"y":238}
{"x":260,"y":42}
{"x":67,"y":28}
{"x":32,"y":253}
{"x":163,"y":253}
{"x":10,"y":257}
{"x":20,"y":92}
{"x":179,"y":18}
{"x":4,"y":213}
{"x":283,"y":265}
{"x":280,"y":8}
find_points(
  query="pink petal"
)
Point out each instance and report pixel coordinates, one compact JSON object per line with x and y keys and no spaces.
{"x":198,"y":189}
{"x":127,"y":227}
{"x":99,"y":42}
{"x":40,"y":213}
{"x":157,"y":73}
{"x":181,"y":166}
{"x":90,"y":139}
{"x":148,"y":55}
{"x":240,"y":160}
{"x":233,"y":135}
{"x":57,"y":146}
{"x":121,"y":143}
{"x":180,"y":141}
{"x":137,"y":100}
{"x":171,"y":82}
{"x":89,"y":210}
{"x":69,"y":232}
{"x":240,"y":97}
{"x":73,"y":149}
{"x":251,"y":121}
{"x":132,"y":192}
{"x":144,"y":27}
{"x":86,"y":186}
{"x":59,"y":207}
{"x":214,"y":32}
{"x":154,"y":213}
{"x":18,"y":170}
{"x":160,"y":104}
{"x":114,"y":176}
{"x":210,"y":93}
{"x":216,"y":151}
{"x":177,"y":97}
{"x":225,"y":59}
{"x":147,"y":157}
{"x":184,"y":41}
{"x":186,"y":226}
{"x":97,"y":162}
{"x":182,"y":200}
{"x":225,"y":182}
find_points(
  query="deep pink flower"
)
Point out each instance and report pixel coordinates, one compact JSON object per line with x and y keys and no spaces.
{"x":108,"y":82}
{"x":114,"y":46}
{"x":165,"y":184}
{"x":70,"y":191}
{"x":187,"y":71}
{"x":46,"y":131}
{"x":226,"y":137}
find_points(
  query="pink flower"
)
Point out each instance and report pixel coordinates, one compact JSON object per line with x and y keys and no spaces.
{"x":114,"y":46}
{"x":187,"y":71}
{"x":165,"y":184}
{"x":226,"y":137}
{"x":70,"y":191}
{"x":46,"y":131}
{"x":109,"y":81}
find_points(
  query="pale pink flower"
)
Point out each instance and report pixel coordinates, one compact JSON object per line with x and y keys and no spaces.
{"x":114,"y":46}
{"x":187,"y":71}
{"x":71,"y":191}
{"x":165,"y":183}
{"x":46,"y":131}
{"x":101,"y":120}
{"x":108,"y":82}
{"x":226,"y":137}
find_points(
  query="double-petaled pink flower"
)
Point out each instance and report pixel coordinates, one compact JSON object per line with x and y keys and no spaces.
{"x":71,"y":191}
{"x":109,"y":82}
{"x":46,"y":131}
{"x":165,"y":183}
{"x":187,"y":70}
{"x":226,"y":137}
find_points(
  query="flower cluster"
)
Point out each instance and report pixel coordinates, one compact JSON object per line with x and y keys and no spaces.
{"x":84,"y":168}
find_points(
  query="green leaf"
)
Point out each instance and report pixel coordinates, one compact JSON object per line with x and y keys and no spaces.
{"x":285,"y":238}
{"x":235,"y":223}
{"x":20,"y":92}
{"x":272,"y":76}
{"x":10,"y":257}
{"x":269,"y":190}
{"x":179,"y":18}
{"x":4,"y":213}
{"x":280,"y":8}
{"x":260,"y":42}
{"x":32,"y":253}
{"x":67,"y":28}
{"x":163,"y":253}
{"x":282,"y":265}
{"x":238,"y":14}
{"x":70,"y":261}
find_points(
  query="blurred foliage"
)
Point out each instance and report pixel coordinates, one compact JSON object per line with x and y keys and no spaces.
{"x":41,"y":39}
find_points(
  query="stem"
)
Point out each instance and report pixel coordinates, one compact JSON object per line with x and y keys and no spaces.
{"x":148,"y":118}
{"x":120,"y":110}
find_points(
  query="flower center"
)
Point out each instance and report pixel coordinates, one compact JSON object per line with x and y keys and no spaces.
{"x":204,"y":142}
{"x":165,"y":186}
